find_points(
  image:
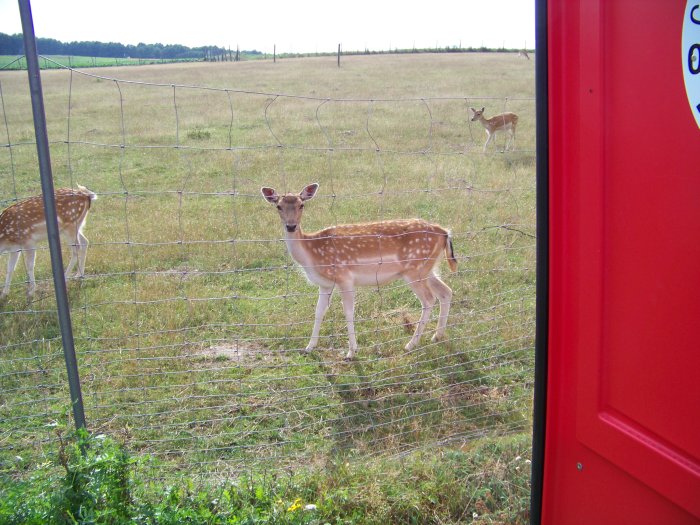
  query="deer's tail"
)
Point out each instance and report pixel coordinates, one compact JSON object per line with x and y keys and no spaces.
{"x":87,"y":192}
{"x":450,"y":253}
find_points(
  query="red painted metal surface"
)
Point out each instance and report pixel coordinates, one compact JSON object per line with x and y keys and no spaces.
{"x":623,"y":403}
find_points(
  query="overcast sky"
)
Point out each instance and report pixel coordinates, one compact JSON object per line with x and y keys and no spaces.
{"x":294,"y":25}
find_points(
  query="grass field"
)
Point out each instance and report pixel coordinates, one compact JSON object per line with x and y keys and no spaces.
{"x":190,"y":319}
{"x":14,"y":62}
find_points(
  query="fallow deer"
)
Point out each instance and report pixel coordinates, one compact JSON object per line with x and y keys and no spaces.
{"x":23,"y":226}
{"x":369,"y":254}
{"x":503,"y":122}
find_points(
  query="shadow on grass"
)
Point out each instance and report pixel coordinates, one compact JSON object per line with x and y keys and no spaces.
{"x":434,"y":395}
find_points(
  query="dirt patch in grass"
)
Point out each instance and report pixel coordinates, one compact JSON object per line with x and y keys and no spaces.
{"x":238,"y":352}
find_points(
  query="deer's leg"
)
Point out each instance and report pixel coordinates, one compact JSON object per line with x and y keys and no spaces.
{"x":324,"y":301}
{"x":490,"y":136}
{"x":73,"y":259}
{"x":29,"y":257}
{"x":444,"y":295}
{"x":74,"y":247}
{"x":82,"y":253}
{"x":11,"y":263}
{"x":511,"y":138}
{"x":427,"y":299}
{"x":348,"y":296}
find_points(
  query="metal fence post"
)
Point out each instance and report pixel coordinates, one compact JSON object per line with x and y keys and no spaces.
{"x":42,"y":146}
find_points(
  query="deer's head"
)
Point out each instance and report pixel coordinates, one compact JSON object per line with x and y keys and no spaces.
{"x":477,"y":113}
{"x":290,"y":206}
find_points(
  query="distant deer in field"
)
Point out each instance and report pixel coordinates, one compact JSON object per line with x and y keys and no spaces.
{"x":523,"y":53}
{"x":23,"y":225}
{"x":369,"y":254}
{"x":503,"y":122}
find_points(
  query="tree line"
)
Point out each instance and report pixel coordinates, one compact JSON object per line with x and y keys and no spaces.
{"x":14,"y":45}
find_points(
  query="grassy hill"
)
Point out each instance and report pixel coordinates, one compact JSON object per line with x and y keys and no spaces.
{"x":190,"y":322}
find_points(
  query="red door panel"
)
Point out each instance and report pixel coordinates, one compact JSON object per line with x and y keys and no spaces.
{"x":623,"y":421}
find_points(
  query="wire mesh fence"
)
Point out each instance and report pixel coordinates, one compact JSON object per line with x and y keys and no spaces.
{"x":191,"y":320}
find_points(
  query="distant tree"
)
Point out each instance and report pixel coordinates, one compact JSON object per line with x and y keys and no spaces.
{"x":174,"y":51}
{"x":49,"y":46}
{"x":14,"y":45}
{"x":11,"y":44}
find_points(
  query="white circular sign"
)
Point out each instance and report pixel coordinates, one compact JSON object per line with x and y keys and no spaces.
{"x":691,"y":56}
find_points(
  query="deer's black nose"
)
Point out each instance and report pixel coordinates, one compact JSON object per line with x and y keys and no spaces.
{"x":291,"y":228}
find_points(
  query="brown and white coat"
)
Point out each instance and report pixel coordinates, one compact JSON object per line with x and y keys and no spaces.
{"x":367,"y":254}
{"x":23,"y":226}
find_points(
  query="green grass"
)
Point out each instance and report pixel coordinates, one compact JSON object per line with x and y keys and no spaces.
{"x":189,"y":322}
{"x":91,"y":480}
{"x":14,"y":62}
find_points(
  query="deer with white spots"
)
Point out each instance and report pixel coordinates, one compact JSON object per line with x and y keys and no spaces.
{"x":23,"y":225}
{"x":369,"y":254}
{"x":503,"y":122}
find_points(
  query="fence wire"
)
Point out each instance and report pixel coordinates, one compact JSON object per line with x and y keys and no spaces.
{"x":191,"y":319}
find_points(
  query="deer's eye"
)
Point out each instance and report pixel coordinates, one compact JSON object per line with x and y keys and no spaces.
{"x":279,"y":207}
{"x":301,"y":207}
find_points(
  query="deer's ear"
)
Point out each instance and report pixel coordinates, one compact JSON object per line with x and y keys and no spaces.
{"x":270,"y":195}
{"x":308,"y":192}
{"x":472,"y":110}
{"x":483,"y":109}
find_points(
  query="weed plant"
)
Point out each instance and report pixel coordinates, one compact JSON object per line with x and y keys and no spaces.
{"x":91,"y":480}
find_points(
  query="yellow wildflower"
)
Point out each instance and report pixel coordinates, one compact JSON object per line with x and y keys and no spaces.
{"x":295,"y":506}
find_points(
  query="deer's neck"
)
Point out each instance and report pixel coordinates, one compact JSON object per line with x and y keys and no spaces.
{"x":486,"y":123}
{"x":296,"y":245}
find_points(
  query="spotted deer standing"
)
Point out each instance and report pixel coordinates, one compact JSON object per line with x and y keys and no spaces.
{"x":23,"y":225}
{"x":503,"y":122}
{"x":369,"y":254}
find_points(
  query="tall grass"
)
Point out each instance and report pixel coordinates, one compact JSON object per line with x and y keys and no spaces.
{"x":190,"y":320}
